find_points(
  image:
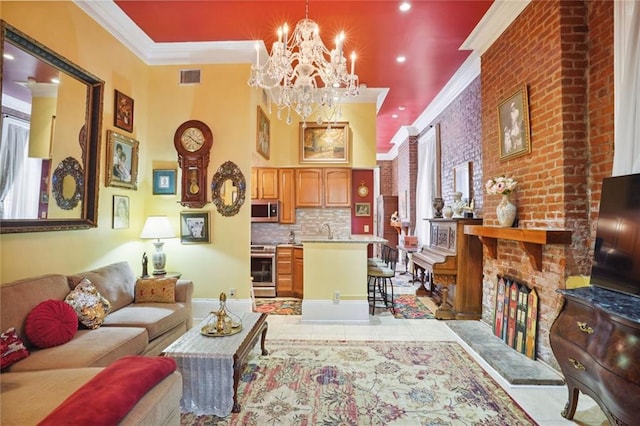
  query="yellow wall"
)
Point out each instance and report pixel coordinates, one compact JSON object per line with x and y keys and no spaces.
{"x":223,"y":101}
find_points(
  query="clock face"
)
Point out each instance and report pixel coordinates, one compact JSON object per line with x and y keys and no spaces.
{"x":192,"y":139}
{"x":363,"y":190}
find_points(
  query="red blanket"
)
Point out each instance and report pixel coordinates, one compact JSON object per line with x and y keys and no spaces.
{"x":109,"y":396}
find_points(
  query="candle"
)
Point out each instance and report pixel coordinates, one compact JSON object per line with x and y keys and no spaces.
{"x":257,"y":55}
{"x":353,"y":62}
{"x":280,"y":34}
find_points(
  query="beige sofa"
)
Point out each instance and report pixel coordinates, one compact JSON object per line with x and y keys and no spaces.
{"x":47,"y":376}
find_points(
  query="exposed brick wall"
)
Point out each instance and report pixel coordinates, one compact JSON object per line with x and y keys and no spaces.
{"x":405,"y":177}
{"x":461,"y":140}
{"x":562,"y":51}
{"x":387,"y":178}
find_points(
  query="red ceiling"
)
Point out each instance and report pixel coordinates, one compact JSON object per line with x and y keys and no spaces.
{"x":429,"y":35}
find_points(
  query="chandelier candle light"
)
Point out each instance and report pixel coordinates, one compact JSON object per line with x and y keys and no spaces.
{"x":506,"y":210}
{"x":303,"y":75}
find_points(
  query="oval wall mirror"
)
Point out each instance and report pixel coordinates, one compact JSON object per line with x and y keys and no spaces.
{"x":37,"y":132}
{"x":228,"y":189}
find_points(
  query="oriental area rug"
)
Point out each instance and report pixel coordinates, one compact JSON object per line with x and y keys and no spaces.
{"x":279,"y":306}
{"x":367,"y":383}
{"x":409,"y":306}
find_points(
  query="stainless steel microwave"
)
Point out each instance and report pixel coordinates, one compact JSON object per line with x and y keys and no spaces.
{"x":265,"y":210}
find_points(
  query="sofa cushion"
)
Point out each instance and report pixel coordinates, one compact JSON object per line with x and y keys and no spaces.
{"x":116,"y":282}
{"x":119,"y":387}
{"x":88,"y":348}
{"x":90,"y":306}
{"x":19,"y":297}
{"x":51,"y":323}
{"x":158,"y":290}
{"x":157,"y":318}
{"x":12,"y":348}
{"x":42,"y":391}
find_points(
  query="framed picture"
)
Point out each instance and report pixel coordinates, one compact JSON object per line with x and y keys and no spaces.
{"x":120,"y":212}
{"x":123,"y":112}
{"x":263,"y":134}
{"x":164,"y":182}
{"x":324,"y":143}
{"x":461,"y":182}
{"x":194,"y":227}
{"x":513,"y":122}
{"x":363,"y":209}
{"x":122,"y":161}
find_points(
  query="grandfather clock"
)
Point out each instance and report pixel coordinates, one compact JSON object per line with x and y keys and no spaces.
{"x":193,"y":141}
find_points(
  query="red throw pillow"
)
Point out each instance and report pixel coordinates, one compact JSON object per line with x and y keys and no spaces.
{"x":12,"y":349}
{"x":51,"y":323}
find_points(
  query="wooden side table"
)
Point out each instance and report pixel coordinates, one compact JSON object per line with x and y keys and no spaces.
{"x":167,"y":275}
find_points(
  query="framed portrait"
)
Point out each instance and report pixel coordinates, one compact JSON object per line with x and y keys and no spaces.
{"x":461,"y":180}
{"x":164,"y":181}
{"x":263,"y":134}
{"x":363,"y":209}
{"x":123,"y":111}
{"x":120,"y":212}
{"x":122,"y":161}
{"x":194,"y":227}
{"x":513,"y":125}
{"x":324,"y":143}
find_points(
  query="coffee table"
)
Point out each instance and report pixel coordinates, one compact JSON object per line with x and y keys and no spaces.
{"x":211,"y":366}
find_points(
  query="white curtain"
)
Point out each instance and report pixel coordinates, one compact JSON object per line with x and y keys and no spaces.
{"x":626,"y":156}
{"x":19,"y":174}
{"x":426,"y":184}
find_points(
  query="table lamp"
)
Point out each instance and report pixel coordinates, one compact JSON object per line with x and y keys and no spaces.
{"x":158,"y":227}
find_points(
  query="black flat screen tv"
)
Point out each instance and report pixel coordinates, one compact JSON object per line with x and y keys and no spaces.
{"x":616,"y":259}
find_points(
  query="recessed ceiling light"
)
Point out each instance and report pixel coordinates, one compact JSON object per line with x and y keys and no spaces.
{"x":394,"y":115}
{"x":400,"y":59}
{"x":401,"y":107}
{"x":55,"y":80}
{"x":8,"y":56}
{"x":405,"y":6}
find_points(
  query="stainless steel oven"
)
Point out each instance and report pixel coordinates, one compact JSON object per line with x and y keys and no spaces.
{"x":263,"y":270}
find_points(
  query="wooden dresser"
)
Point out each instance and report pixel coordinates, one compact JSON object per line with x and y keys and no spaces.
{"x":453,"y":260}
{"x":596,"y":340}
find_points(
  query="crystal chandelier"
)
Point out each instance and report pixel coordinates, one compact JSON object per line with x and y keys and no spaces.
{"x":303,"y":75}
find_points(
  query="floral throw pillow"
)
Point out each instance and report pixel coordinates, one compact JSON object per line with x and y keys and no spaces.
{"x":12,"y":348}
{"x":89,"y":304}
{"x":156,"y":290}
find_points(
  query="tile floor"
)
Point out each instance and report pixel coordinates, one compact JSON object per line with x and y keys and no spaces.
{"x":543,"y":403}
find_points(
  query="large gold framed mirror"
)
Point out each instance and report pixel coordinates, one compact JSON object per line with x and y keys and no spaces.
{"x":228,"y":188}
{"x":51,"y":117}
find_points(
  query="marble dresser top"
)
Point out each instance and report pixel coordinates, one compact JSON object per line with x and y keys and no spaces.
{"x":618,"y":304}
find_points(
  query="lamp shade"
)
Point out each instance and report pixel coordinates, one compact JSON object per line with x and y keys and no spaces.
{"x":157,"y":227}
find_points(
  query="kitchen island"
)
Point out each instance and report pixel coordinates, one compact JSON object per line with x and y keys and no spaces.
{"x":335,"y":277}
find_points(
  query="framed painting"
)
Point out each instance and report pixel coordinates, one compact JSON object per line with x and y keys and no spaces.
{"x":363,"y":209}
{"x":164,"y":182}
{"x":120,"y":212}
{"x":194,"y":227}
{"x":123,"y":112}
{"x":263,"y":134}
{"x":513,"y":122}
{"x":122,"y":161}
{"x":324,"y":143}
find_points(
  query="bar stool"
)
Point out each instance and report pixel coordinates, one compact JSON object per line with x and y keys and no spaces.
{"x":379,"y":281}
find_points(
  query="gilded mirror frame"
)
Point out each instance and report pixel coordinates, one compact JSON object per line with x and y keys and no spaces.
{"x":90,"y":132}
{"x":228,"y":171}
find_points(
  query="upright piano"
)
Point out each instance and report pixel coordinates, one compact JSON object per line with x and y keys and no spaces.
{"x":452,"y":265}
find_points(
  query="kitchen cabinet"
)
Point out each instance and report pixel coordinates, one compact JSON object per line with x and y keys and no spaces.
{"x":284,"y":270}
{"x":330,"y":187}
{"x":287,"y":195}
{"x":264,"y":183}
{"x":337,"y":187}
{"x":298,"y":272}
{"x":595,"y":340}
{"x":308,"y":187}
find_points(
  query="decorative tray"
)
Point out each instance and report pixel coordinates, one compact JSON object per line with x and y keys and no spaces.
{"x":209,"y":330}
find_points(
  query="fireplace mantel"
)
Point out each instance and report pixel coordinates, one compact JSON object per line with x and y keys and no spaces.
{"x":531,"y":239}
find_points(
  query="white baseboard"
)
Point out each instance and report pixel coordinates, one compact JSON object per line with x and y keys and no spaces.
{"x":351,"y":311}
{"x":202,"y":307}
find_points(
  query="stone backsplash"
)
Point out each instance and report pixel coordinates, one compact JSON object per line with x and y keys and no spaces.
{"x":308,"y":221}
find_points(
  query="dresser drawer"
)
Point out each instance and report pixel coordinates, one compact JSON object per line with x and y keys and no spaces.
{"x":578,"y":324}
{"x":620,"y":352}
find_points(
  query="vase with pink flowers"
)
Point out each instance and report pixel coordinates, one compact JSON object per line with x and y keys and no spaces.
{"x":506,"y":210}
